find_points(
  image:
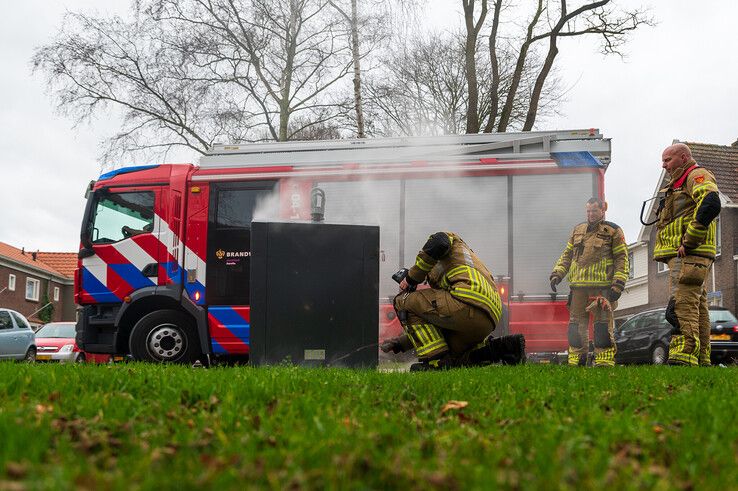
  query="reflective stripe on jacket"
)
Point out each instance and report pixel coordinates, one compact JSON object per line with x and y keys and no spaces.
{"x":595,"y":256}
{"x":678,"y":223}
{"x":460,"y":272}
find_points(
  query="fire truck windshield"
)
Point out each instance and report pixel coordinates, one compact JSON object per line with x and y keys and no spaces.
{"x":118,"y":216}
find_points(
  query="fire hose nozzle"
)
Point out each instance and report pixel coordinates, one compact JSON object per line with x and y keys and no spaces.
{"x":599,"y":302}
{"x":401,"y":275}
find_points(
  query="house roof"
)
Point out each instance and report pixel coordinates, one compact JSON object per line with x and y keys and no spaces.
{"x":60,"y":260}
{"x":722,"y":161}
{"x":64,"y":262}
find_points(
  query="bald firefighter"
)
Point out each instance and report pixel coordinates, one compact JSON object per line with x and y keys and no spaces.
{"x":685,"y":241}
{"x":596,"y":261}
{"x":449,"y":324}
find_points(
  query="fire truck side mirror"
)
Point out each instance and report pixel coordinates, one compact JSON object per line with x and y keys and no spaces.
{"x":88,"y":191}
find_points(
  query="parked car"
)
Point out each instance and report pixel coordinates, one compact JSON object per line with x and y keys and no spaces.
{"x":644,"y":338}
{"x":723,"y":335}
{"x":17,"y":341}
{"x":55,"y":342}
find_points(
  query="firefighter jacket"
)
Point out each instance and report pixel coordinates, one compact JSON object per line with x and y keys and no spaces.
{"x":682,"y":215}
{"x":596,"y":256}
{"x":449,"y":264}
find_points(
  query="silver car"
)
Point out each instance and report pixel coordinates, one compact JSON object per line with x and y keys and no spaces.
{"x":17,"y":340}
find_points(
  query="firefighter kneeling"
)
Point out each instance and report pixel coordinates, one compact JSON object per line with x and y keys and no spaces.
{"x":596,"y":261}
{"x":449,"y":324}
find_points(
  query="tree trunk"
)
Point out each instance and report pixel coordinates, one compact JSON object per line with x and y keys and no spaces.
{"x":530,"y":118}
{"x":495,"y":62}
{"x":518,"y":73}
{"x":357,"y":71}
{"x":284,"y":103}
{"x":470,"y":51}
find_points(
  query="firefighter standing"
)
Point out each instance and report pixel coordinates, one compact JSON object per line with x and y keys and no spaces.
{"x":685,"y":241}
{"x":596,"y":260}
{"x":446,"y":322}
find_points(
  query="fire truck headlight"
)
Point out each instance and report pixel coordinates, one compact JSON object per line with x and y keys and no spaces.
{"x":197,"y":296}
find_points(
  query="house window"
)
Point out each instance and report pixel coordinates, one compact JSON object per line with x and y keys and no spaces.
{"x":11,"y":282}
{"x":32,"y":288}
{"x":56,"y":294}
{"x":631,"y":273}
{"x":661,"y":267}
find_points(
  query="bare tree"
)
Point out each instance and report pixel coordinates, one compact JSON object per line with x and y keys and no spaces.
{"x":373,"y":27}
{"x":287,"y":54}
{"x":510,"y":97}
{"x":508,"y":85}
{"x":599,"y":18}
{"x":470,"y":57}
{"x":494,"y":62}
{"x":423,"y":89}
{"x":187,"y":73}
{"x":191,"y":72}
{"x":352,"y":19}
{"x":96,"y":63}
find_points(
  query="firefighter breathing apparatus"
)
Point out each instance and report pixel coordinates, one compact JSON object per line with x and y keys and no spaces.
{"x":662,"y":200}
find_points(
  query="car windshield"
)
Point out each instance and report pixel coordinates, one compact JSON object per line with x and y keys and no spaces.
{"x":56,"y":330}
{"x":722,"y":316}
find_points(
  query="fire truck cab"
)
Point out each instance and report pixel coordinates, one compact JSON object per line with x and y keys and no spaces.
{"x":163,"y":271}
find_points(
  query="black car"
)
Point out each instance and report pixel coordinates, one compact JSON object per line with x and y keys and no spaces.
{"x":723,"y":334}
{"x":644,"y":338}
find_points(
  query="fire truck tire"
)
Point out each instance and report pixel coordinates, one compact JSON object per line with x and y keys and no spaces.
{"x":165,"y":336}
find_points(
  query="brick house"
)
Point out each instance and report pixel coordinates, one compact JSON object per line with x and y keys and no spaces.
{"x":648,"y":287}
{"x":28,"y":280}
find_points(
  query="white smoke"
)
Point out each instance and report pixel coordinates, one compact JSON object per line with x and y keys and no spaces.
{"x":408,"y":210}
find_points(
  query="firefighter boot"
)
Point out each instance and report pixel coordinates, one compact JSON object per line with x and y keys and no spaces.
{"x":510,"y":350}
{"x":428,"y":366}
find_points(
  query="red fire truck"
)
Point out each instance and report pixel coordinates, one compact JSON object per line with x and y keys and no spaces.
{"x":163,"y":270}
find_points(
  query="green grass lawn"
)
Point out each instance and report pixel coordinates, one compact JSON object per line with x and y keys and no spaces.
{"x":529,"y":427}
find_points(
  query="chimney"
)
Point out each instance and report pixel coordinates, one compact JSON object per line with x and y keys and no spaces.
{"x":33,"y":255}
{"x":23,"y":251}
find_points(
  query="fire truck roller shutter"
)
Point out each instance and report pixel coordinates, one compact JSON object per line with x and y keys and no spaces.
{"x":371,"y":203}
{"x":475,"y":208}
{"x":545,"y":210}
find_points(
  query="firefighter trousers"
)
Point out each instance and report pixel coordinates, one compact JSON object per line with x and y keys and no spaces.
{"x":578,"y":333}
{"x":687,"y":310}
{"x":429,"y":314}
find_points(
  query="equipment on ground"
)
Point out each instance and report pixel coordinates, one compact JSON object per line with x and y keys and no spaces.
{"x":314,"y":298}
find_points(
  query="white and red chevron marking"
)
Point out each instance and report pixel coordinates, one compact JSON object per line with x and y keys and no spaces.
{"x":97,"y":268}
{"x":193,"y":261}
{"x":140,"y":251}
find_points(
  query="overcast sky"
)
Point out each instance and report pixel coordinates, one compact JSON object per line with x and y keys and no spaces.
{"x":678,"y":82}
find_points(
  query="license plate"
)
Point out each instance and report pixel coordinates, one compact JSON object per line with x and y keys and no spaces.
{"x":43,"y":357}
{"x":720,"y":337}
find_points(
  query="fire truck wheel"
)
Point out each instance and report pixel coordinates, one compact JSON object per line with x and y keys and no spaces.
{"x":165,"y":336}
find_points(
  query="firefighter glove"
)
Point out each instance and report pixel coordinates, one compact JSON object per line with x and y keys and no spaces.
{"x":613,"y":295}
{"x":392,"y":345}
{"x":555,"y":280}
